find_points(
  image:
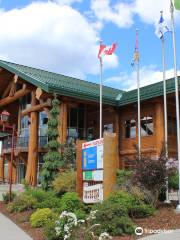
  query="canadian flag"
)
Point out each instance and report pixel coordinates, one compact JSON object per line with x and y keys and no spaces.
{"x":106,"y":50}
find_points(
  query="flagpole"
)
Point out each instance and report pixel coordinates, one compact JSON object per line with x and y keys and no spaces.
{"x":139,"y":111}
{"x":177,"y":96}
{"x":100,"y":93}
{"x":165,"y":113}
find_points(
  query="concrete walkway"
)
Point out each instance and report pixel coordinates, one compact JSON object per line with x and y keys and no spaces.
{"x":10,"y":231}
{"x":174,"y":235}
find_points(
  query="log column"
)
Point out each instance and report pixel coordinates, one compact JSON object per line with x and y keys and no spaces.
{"x":63,"y":123}
{"x":159,"y":126}
{"x":1,"y":168}
{"x":31,"y":173}
{"x":117,"y":131}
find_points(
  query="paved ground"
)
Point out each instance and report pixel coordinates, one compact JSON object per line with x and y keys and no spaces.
{"x":10,"y":231}
{"x":174,"y":235}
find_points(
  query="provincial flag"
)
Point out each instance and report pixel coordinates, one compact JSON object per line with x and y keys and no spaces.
{"x":106,"y":50}
{"x":136,"y":52}
{"x":177,"y":4}
{"x":161,"y":28}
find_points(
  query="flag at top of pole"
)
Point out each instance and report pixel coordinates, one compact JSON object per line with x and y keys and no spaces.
{"x":136,"y":51}
{"x":177,"y":4}
{"x":161,"y":27}
{"x":103,"y":50}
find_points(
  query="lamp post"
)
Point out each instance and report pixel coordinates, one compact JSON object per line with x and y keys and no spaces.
{"x":4,"y":118}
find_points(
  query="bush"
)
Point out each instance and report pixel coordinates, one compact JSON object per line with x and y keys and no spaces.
{"x":44,"y":199}
{"x":133,"y":203}
{"x":65,"y":182}
{"x":50,"y":202}
{"x":141,"y":211}
{"x":41,"y":217}
{"x":124,"y":178}
{"x":151,"y":174}
{"x":5,"y":197}
{"x":113,"y":218}
{"x":49,"y":230}
{"x":173,"y":181}
{"x":70,"y":202}
{"x":22,"y":202}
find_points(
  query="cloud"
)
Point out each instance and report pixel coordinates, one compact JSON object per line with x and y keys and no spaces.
{"x":120,"y":14}
{"x":66,"y":2}
{"x":51,"y":36}
{"x":148,"y":75}
{"x":149,"y":11}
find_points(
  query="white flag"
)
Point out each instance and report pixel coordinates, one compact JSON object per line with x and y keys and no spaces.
{"x":161,"y":28}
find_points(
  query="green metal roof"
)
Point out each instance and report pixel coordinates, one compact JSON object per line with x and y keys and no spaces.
{"x":63,"y":85}
{"x":73,"y":87}
{"x":148,"y":92}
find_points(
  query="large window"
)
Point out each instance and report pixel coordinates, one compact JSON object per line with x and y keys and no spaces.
{"x":172,"y":128}
{"x":147,"y":126}
{"x":76,"y":123}
{"x":130,"y":128}
{"x":43,"y":120}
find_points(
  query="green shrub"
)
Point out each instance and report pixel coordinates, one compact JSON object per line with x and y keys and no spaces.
{"x":70,"y":202}
{"x":22,"y":202}
{"x":141,"y":211}
{"x":122,"y":198}
{"x":41,"y":216}
{"x":173,"y":181}
{"x":49,"y":230}
{"x":50,"y":202}
{"x":124,"y":178}
{"x":65,"y":182}
{"x":44,"y":199}
{"x":133,"y":203}
{"x":113,"y":218}
{"x":5,"y":197}
{"x":38,"y":194}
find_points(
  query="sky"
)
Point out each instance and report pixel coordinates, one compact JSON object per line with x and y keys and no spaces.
{"x":63,"y":36}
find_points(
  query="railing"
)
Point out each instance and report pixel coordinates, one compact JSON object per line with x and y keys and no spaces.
{"x":23,"y":142}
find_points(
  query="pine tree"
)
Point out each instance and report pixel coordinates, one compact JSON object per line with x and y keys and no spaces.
{"x":52,"y":159}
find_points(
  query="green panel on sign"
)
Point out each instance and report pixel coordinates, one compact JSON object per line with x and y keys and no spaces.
{"x":87,"y":175}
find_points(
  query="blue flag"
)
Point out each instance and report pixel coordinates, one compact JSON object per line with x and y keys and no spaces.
{"x":161,"y":28}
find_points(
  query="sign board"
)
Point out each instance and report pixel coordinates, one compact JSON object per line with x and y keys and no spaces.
{"x":92,"y":194}
{"x":92,"y":155}
{"x":96,"y":175}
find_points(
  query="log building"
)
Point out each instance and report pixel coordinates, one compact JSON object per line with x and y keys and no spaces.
{"x":26,"y":93}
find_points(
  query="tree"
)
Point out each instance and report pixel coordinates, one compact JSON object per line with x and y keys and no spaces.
{"x":150,"y":173}
{"x":52,"y":159}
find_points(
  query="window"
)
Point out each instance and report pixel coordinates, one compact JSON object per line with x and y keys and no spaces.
{"x":130,"y":128}
{"x":147,"y":126}
{"x":172,"y":128}
{"x":108,"y":127}
{"x":43,"y":120}
{"x":76,"y":123}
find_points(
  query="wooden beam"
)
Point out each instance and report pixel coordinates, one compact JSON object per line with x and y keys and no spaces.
{"x":36,"y":108}
{"x":39,"y":93}
{"x":31,"y":173}
{"x":6,"y":91}
{"x":17,"y":95}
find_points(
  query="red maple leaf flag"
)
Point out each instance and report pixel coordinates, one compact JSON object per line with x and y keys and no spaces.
{"x":106,"y":50}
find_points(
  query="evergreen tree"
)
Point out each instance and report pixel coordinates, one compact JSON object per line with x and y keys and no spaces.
{"x":52,"y":159}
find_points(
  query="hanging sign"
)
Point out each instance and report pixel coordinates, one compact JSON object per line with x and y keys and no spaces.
{"x":92,"y":194}
{"x":92,"y":155}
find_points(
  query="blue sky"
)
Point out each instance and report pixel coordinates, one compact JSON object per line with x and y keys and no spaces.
{"x":62,"y":36}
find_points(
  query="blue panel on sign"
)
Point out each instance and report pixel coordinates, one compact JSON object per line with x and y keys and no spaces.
{"x":89,"y":158}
